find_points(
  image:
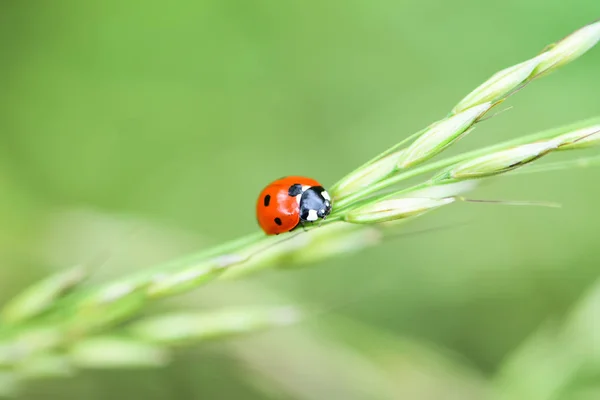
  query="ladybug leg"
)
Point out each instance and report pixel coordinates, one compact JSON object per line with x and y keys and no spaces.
{"x":303,"y":225}
{"x":321,"y":221}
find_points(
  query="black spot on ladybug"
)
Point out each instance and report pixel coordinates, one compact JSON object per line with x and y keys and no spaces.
{"x":295,"y":190}
{"x":278,"y":221}
{"x":267,"y":200}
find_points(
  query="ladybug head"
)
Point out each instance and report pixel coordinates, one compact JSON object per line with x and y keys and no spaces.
{"x":315,"y":203}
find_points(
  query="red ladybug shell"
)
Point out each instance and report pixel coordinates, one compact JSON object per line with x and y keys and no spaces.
{"x":276,"y":210}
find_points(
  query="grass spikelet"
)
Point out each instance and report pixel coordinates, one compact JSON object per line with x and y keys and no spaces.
{"x":185,"y":327}
{"x":109,"y":352}
{"x":569,"y":49}
{"x":367,"y":175}
{"x":41,"y":296}
{"x":580,"y":138}
{"x":392,"y":209}
{"x":171,"y":283}
{"x":497,"y":163}
{"x":500,"y":85}
{"x":441,"y":135}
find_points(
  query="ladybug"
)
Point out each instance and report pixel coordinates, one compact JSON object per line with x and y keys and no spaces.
{"x":291,"y":201}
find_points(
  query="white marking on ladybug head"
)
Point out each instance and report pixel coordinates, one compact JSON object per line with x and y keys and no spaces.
{"x":298,"y":198}
{"x":312,"y":215}
{"x":326,"y":195}
{"x":305,"y":188}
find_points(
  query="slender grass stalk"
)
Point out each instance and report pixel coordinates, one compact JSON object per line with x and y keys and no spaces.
{"x":60,"y":325}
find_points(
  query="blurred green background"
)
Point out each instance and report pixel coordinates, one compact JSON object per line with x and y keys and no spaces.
{"x":146,"y":129}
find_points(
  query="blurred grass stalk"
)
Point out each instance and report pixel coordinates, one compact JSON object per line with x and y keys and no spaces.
{"x":547,"y":366}
{"x":55,"y":318}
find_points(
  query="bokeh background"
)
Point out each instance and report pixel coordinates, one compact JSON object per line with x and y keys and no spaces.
{"x":146,"y":129}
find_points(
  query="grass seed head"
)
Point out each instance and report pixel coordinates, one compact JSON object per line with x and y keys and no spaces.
{"x":171,"y":283}
{"x":108,"y":306}
{"x":393,"y":209}
{"x":45,"y":366}
{"x":497,"y":162}
{"x":40,"y":296}
{"x":580,"y":139}
{"x":500,"y":85}
{"x":366,"y":176}
{"x":183,"y":327}
{"x":336,"y":239}
{"x":441,"y":135}
{"x":116,"y":352}
{"x":569,"y":48}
